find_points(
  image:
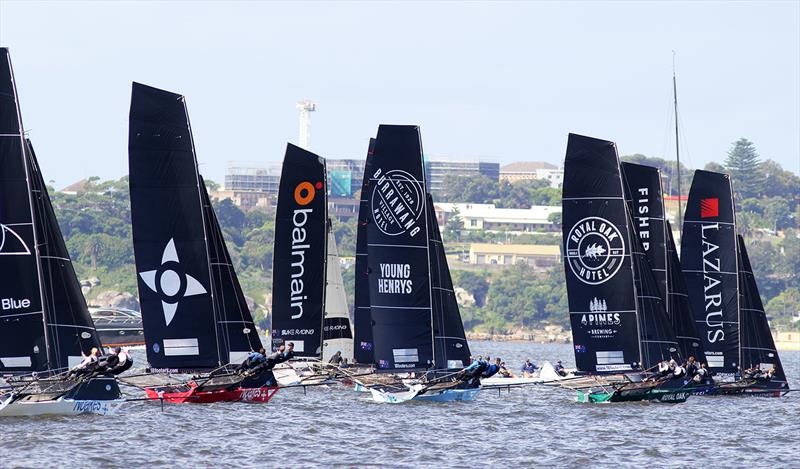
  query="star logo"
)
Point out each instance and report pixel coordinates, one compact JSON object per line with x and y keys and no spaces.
{"x":170,"y":282}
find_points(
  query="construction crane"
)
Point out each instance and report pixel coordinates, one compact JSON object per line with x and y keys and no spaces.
{"x":305,"y":107}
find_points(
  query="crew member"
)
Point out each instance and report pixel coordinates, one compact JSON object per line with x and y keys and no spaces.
{"x":528,"y":368}
{"x":677,"y":370}
{"x":504,"y":371}
{"x":125,"y":361}
{"x":286,"y":355}
{"x":336,"y":359}
{"x":253,"y":360}
{"x":492,"y":369}
{"x":702,"y":374}
{"x":87,"y":366}
{"x":478,"y":366}
{"x":691,"y":367}
{"x":560,"y":370}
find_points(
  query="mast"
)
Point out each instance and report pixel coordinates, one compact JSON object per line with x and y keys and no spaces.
{"x":362,"y":317}
{"x":677,"y":144}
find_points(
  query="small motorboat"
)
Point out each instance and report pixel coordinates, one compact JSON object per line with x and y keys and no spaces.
{"x":118,"y":327}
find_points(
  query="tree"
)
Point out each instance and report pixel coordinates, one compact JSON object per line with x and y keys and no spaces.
{"x":476,"y":190}
{"x":715,"y":167}
{"x":473,"y":282}
{"x":555,"y":219}
{"x":744,"y":167}
{"x":454,"y":225}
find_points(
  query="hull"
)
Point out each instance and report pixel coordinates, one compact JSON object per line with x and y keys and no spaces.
{"x":449,"y":395}
{"x":666,"y":396}
{"x":189,"y":393}
{"x":60,"y":406}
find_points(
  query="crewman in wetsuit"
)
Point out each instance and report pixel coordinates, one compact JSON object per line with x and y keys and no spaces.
{"x":252,"y":361}
{"x":286,"y":355}
{"x":336,"y":359}
{"x":125,"y":361}
{"x":691,"y":367}
{"x":492,"y":369}
{"x":87,"y":366}
{"x":560,"y":370}
{"x":478,"y":366}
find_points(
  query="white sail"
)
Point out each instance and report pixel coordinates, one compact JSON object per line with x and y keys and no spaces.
{"x":336,"y":304}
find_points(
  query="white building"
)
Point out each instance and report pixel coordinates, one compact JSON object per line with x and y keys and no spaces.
{"x":490,"y":218}
{"x":530,"y":170}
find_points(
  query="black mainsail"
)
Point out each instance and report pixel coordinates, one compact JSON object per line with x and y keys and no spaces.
{"x":757,"y":344}
{"x":597,"y":261}
{"x":299,"y":259}
{"x":450,"y":346}
{"x":362,"y":341}
{"x":192,"y":311}
{"x":680,"y":310}
{"x":397,"y":248}
{"x":44,"y":322}
{"x":710,"y":268}
{"x":648,"y":247}
{"x":236,"y":330}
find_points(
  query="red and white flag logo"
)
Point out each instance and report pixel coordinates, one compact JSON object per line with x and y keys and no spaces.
{"x":709,"y":208}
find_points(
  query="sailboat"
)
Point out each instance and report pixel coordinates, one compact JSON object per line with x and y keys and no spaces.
{"x":416,"y":325}
{"x":194,"y":312}
{"x":617,"y":315}
{"x":722,"y":290}
{"x":309,"y":306}
{"x":45,"y":325}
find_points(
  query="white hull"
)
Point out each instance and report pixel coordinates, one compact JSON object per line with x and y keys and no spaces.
{"x":298,"y":373}
{"x":60,"y":406}
{"x":396,"y":397}
{"x":546,"y":374}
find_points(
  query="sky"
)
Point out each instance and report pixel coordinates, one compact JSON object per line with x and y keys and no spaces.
{"x":496,"y":81}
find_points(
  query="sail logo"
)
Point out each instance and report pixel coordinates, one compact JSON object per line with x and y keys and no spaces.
{"x":171,"y":282}
{"x":712,"y":284}
{"x":709,"y":208}
{"x":397,"y":202}
{"x":8,"y":304}
{"x":642,"y":219}
{"x":595,"y":250}
{"x":11,"y":243}
{"x":395,"y":279}
{"x":304,"y":194}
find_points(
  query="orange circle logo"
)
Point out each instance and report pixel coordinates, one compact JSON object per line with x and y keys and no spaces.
{"x":304,"y":193}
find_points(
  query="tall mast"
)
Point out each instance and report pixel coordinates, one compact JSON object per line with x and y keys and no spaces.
{"x":677,"y":144}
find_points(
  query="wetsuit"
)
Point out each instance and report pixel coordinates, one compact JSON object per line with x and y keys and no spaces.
{"x":285,"y":357}
{"x":560,"y":370}
{"x":125,"y":363}
{"x":490,"y":371}
{"x":252,"y":361}
{"x":528,"y":368}
{"x":108,"y":363}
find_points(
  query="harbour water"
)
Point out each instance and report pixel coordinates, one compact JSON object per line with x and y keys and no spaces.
{"x":336,"y":427}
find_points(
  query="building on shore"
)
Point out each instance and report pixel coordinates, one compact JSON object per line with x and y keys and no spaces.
{"x":246,"y":200}
{"x":490,"y":218}
{"x":240,"y":178}
{"x":530,"y":170}
{"x":437,"y":169}
{"x":537,"y":256}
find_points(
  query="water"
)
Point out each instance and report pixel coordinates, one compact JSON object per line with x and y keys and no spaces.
{"x":338,"y":427}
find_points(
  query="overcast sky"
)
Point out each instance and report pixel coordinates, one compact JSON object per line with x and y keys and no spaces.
{"x":498,"y":81}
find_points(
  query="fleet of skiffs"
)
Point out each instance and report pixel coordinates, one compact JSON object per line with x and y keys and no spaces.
{"x":632,"y":303}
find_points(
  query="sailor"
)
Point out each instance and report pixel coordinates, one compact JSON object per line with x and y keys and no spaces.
{"x":768,"y":375}
{"x":287,"y":355}
{"x":560,"y":369}
{"x":336,"y":359}
{"x":753,"y":372}
{"x":528,"y":368}
{"x":272,"y":358}
{"x":492,"y":369}
{"x":87,"y":366}
{"x":691,"y":367}
{"x":702,"y":374}
{"x":125,"y":361}
{"x":504,"y":371}
{"x":478,"y":366}
{"x":677,"y":370}
{"x":253,"y":360}
{"x":108,"y":362}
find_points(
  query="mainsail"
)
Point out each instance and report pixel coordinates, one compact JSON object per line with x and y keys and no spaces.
{"x":236,"y":330}
{"x":192,"y":311}
{"x":362,"y":342}
{"x":680,"y":311}
{"x":397,"y":248}
{"x":647,"y":233}
{"x":757,"y":344}
{"x":44,"y":322}
{"x":70,"y":329}
{"x":597,"y":259}
{"x":710,"y":268}
{"x":451,"y":349}
{"x":337,"y":335}
{"x":299,"y":259}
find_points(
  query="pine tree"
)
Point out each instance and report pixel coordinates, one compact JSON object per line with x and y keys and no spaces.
{"x":745,"y":169}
